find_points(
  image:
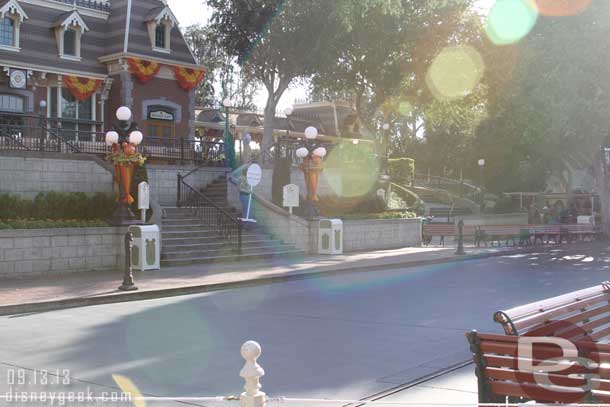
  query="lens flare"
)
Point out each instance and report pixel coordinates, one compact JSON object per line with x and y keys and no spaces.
{"x":359,"y":171}
{"x":455,"y":72}
{"x":561,"y":8}
{"x":511,"y":20}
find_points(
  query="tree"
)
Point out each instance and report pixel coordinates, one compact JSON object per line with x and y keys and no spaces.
{"x":223,"y":76}
{"x":549,"y":107}
{"x":384,"y":49}
{"x":275,"y":42}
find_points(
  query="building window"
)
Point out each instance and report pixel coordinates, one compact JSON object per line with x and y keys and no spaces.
{"x":160,"y":36}
{"x":70,"y":42}
{"x":7,"y":32}
{"x":161,"y":125}
{"x":74,"y":117}
{"x":11,"y":103}
{"x":68,"y":34}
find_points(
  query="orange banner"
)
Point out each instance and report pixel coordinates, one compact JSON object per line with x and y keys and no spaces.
{"x":188,"y":78}
{"x":82,"y":88}
{"x":143,"y":70}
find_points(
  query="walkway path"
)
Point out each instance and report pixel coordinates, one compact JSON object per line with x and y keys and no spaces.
{"x":82,"y":289}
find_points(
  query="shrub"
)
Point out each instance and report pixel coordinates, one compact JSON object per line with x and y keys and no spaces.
{"x":49,"y":224}
{"x":57,"y":205}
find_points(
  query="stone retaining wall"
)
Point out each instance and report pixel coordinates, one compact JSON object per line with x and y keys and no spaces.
{"x":26,"y":176}
{"x":28,"y":253}
{"x":381,"y":234}
{"x":163,"y":180}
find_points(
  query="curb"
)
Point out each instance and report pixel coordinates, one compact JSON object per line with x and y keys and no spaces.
{"x":80,"y":302}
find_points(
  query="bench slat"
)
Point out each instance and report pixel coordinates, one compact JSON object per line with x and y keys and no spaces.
{"x":526,"y":377}
{"x":538,"y":393}
{"x":529,"y":315}
{"x":551,"y":327}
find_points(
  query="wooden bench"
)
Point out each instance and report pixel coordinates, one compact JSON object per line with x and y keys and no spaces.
{"x":506,"y":233}
{"x":509,"y":370}
{"x":581,"y":317}
{"x":446,"y":229}
{"x":579,"y":232}
{"x":438,"y":229}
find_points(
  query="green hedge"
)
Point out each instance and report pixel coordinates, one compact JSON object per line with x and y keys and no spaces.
{"x":49,"y":224}
{"x":57,"y":206}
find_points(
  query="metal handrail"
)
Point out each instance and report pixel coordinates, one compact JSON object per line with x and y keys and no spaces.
{"x":228,"y":225}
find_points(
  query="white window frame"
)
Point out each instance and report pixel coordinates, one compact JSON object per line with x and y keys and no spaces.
{"x":76,"y":23}
{"x":58,"y":101}
{"x":13,"y":10}
{"x":168,"y":20}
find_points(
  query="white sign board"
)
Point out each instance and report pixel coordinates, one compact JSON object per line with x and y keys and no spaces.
{"x":291,"y":196}
{"x":586,"y":220}
{"x":255,"y":174}
{"x":143,"y":195}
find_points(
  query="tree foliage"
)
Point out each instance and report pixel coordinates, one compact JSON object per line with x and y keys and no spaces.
{"x":223,"y":76}
{"x":275,"y":42}
{"x":550,"y":107}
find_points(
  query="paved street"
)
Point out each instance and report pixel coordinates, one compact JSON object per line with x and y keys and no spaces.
{"x":346,"y":336}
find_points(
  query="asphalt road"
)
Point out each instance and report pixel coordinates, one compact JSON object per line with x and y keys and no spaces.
{"x":347,"y":336}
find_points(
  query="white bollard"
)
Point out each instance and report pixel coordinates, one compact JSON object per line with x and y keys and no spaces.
{"x":251,"y":373}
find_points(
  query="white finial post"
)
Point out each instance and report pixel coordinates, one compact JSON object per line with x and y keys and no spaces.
{"x":251,"y":373}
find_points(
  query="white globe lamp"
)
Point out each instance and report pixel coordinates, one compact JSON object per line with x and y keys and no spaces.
{"x":320,"y":152}
{"x":311,"y":133}
{"x":123,"y":113}
{"x":226,"y":102}
{"x":386,"y":127}
{"x":112,"y":137}
{"x":136,"y":137}
{"x":302,"y":152}
{"x":481,"y":162}
{"x":289,"y":111}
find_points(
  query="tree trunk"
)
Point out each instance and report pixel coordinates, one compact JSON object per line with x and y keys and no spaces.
{"x":269,"y":125}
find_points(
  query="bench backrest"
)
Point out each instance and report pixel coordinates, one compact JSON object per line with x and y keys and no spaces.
{"x":582,"y":228}
{"x":503,"y":229}
{"x":588,"y":309}
{"x":440,"y":229}
{"x":507,"y":366}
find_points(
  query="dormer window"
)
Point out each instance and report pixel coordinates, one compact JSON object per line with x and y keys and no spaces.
{"x":160,"y":36}
{"x":70,"y":42}
{"x":7,"y":32}
{"x":160,"y":22}
{"x":11,"y":17}
{"x":69,"y":28}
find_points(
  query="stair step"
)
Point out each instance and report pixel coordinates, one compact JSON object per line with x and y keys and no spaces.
{"x":230,"y":258}
{"x":222,"y":251}
{"x":186,"y":228}
{"x":180,"y":222}
{"x":177,"y":242}
{"x":188,"y":250}
{"x":190,"y":235}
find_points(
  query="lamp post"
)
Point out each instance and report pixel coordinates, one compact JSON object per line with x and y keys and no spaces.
{"x":123,"y":139}
{"x":312,"y":167}
{"x":481,"y":166}
{"x":229,"y":141}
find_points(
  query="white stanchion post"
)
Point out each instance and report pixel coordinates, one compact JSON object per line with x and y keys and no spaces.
{"x":251,"y":373}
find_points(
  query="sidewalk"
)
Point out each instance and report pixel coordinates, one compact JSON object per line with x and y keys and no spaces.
{"x":57,"y":291}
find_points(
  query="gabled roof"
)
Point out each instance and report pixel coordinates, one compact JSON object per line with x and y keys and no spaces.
{"x":70,"y":18}
{"x":158,"y":14}
{"x":12,"y":7}
{"x":211,"y":115}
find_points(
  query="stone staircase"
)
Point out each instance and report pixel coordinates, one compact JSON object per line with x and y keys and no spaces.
{"x":187,"y":240}
{"x":436,"y":207}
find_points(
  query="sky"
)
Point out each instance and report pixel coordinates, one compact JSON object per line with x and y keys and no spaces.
{"x":189,"y":12}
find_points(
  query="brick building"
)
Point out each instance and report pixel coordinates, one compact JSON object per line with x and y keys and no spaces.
{"x":76,"y":61}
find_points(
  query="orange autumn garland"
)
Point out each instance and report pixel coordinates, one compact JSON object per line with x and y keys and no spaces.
{"x":82,"y":88}
{"x":143,"y":70}
{"x":188,"y":78}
